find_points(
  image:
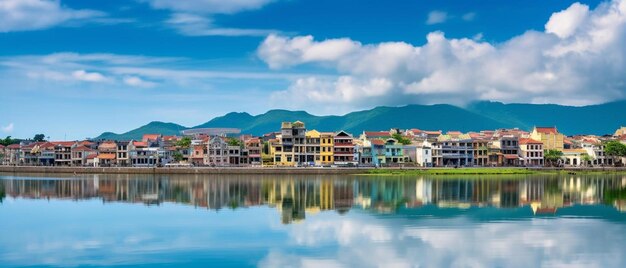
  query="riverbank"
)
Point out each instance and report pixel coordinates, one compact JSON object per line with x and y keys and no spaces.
{"x":311,"y":170}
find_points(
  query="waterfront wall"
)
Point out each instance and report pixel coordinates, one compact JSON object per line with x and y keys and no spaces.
{"x":180,"y":170}
{"x":253,"y":170}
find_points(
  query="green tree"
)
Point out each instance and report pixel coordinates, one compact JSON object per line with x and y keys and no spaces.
{"x":614,"y":149}
{"x":178,"y":157}
{"x":185,"y":142}
{"x":6,"y":141}
{"x":39,"y":137}
{"x":552,"y":156}
{"x":234,"y":142}
{"x":401,"y":139}
{"x":586,"y":159}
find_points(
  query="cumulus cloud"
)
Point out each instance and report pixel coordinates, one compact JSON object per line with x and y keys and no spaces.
{"x":26,"y":15}
{"x":577,"y":60}
{"x":8,"y":128}
{"x":565,"y":23}
{"x":138,"y":82}
{"x":454,"y":242}
{"x":83,"y":75}
{"x":436,"y":17}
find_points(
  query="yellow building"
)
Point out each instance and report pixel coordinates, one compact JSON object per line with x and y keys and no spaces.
{"x":326,"y":148}
{"x":313,"y":148}
{"x":549,"y":136}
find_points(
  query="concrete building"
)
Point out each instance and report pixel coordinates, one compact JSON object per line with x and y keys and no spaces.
{"x":343,"y":150}
{"x":531,"y":152}
{"x":80,"y":155}
{"x":327,"y":142}
{"x":63,"y":153}
{"x":453,"y":150}
{"x":508,"y":146}
{"x":549,"y":137}
{"x":122,"y":156}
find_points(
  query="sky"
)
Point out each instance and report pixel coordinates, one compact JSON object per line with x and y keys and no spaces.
{"x":73,"y":69}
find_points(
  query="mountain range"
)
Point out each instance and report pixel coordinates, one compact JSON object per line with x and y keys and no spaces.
{"x":593,"y":119}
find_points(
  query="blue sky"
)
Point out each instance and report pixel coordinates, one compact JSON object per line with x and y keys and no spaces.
{"x":73,"y":69}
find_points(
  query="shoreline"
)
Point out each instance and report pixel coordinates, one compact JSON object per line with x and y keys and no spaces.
{"x":310,"y":170}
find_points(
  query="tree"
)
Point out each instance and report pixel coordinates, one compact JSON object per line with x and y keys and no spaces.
{"x":178,"y":157}
{"x":615,"y":149}
{"x":552,"y":156}
{"x":185,"y":142}
{"x":6,"y":141}
{"x":586,"y":159}
{"x":234,"y":142}
{"x":401,"y":139}
{"x":39,"y":137}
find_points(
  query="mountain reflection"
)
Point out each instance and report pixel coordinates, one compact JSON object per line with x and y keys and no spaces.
{"x":298,"y":196}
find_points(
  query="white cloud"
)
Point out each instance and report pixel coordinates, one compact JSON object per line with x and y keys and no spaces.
{"x":195,"y":17}
{"x":436,"y":17}
{"x":209,"y":6}
{"x":8,"y":128}
{"x":453,"y":242}
{"x":470,"y":16}
{"x":83,"y":75}
{"x":564,"y":23}
{"x":138,"y":82}
{"x":26,"y":15}
{"x":576,"y":61}
{"x":197,"y":25}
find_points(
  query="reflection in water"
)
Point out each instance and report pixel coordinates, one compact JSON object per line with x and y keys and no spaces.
{"x":296,"y":197}
{"x":351,"y":221}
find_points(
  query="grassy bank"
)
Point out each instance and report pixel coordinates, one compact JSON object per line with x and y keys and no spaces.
{"x":488,"y":171}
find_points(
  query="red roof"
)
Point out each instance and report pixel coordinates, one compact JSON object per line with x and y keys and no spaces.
{"x":547,"y":130}
{"x":428,"y":132}
{"x":253,"y":140}
{"x":92,"y":156}
{"x":106,"y":156}
{"x":567,"y":141}
{"x":529,"y":141}
{"x":13,"y":146}
{"x":378,"y":142}
{"x":454,"y":133}
{"x":85,"y":143}
{"x":153,"y":137}
{"x":140,"y":144}
{"x":511,"y":156}
{"x":169,"y":138}
{"x":83,"y":148}
{"x":63,"y":143}
{"x":377,"y":134}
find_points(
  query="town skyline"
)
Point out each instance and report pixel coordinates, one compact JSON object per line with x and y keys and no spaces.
{"x":203,"y":59}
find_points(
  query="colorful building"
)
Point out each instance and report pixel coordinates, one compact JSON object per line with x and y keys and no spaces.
{"x":549,"y":137}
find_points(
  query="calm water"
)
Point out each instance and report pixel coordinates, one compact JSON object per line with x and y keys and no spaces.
{"x":312,"y":221}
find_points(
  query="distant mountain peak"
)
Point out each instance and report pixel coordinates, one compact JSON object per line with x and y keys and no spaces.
{"x":476,"y":116}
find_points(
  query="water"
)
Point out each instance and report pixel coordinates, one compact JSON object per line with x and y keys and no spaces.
{"x":312,"y":221}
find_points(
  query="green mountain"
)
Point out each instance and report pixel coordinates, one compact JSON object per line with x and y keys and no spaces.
{"x":150,"y":128}
{"x":595,"y":119}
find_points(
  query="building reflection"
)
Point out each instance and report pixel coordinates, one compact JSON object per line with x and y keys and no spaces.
{"x":297,"y":197}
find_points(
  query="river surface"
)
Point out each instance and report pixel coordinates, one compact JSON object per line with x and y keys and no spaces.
{"x":312,"y":221}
